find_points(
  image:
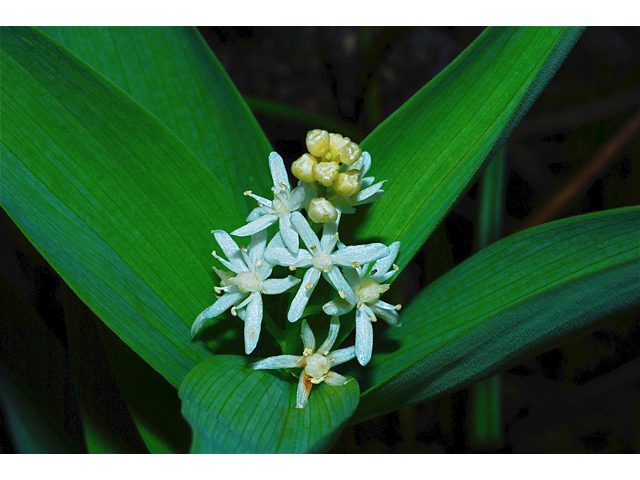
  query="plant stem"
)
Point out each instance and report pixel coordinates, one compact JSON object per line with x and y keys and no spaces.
{"x":484,"y":414}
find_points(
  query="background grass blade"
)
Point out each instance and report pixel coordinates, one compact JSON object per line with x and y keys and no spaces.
{"x":115,"y":202}
{"x":233,"y":409}
{"x":520,"y":296}
{"x":172,"y":72}
{"x":432,"y":147}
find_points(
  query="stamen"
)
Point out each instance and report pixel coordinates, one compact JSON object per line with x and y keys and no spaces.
{"x":248,"y":193}
{"x":395,"y":267}
{"x":359,"y":305}
{"x":373,"y":272}
{"x":215,"y":255}
{"x":307,"y":352}
{"x":243,"y":248}
{"x":218,"y":290}
{"x":313,"y":247}
{"x":308,"y":286}
{"x":342,"y":294}
{"x":258,"y":263}
{"x":355,"y":264}
{"x":373,"y":319}
{"x":273,"y":189}
{"x":233,"y":311}
{"x":292,"y":268}
{"x":264,"y":290}
{"x":337,"y":236}
{"x":282,"y":186}
{"x":398,"y":307}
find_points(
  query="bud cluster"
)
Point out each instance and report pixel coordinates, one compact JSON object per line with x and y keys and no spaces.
{"x":329,"y":168}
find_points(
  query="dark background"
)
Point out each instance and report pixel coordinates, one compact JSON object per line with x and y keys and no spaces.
{"x":583,"y":397}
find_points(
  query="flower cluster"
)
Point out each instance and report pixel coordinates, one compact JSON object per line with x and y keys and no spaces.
{"x":331,"y":182}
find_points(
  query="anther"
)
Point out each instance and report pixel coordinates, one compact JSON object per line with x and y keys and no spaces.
{"x":313,"y":247}
{"x":373,"y":319}
{"x":243,"y":248}
{"x":218,"y":290}
{"x":292,"y":268}
{"x":398,"y":307}
{"x":248,"y":193}
{"x":342,"y":294}
{"x":308,"y":286}
{"x":359,"y":305}
{"x":355,"y":264}
{"x":264,"y":290}
{"x":373,"y":272}
{"x":282,"y":185}
{"x":395,"y":267}
{"x":215,"y":255}
{"x":337,"y":236}
{"x":234,"y":312}
{"x":258,"y":263}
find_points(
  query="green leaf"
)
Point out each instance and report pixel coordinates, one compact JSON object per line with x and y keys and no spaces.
{"x":431,"y":149}
{"x":520,"y":296}
{"x":113,"y":200}
{"x":233,"y":409}
{"x":172,"y":72}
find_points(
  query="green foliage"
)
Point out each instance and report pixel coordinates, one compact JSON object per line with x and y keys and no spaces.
{"x":125,"y":147}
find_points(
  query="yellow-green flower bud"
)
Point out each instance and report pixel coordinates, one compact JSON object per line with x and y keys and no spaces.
{"x":348,"y":183}
{"x":322,"y":210}
{"x":326,"y":173}
{"x":337,"y":143}
{"x":318,"y":142}
{"x":350,"y":153}
{"x":303,"y":168}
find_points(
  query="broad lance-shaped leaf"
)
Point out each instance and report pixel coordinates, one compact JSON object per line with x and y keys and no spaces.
{"x":522,"y":295}
{"x":113,"y":200}
{"x":233,"y":409}
{"x":432,"y":147}
{"x":172,"y":72}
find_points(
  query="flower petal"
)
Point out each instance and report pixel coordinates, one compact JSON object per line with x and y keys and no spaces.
{"x":387,"y":312}
{"x":335,"y":379}
{"x":257,"y":246}
{"x":274,"y":286}
{"x":301,"y":225}
{"x":257,"y":213}
{"x":225,"y":302}
{"x":231,"y":250}
{"x":363,"y":164}
{"x":309,"y":282}
{"x":288,"y":234}
{"x":252,"y":323}
{"x":384,"y":264}
{"x":329,"y":239}
{"x":337,"y":307}
{"x":296,"y":199}
{"x":256,"y":226}
{"x":340,"y":284}
{"x":304,"y":388}
{"x":282,"y":256}
{"x":364,"y":335}
{"x":360,"y":254}
{"x":308,"y":339}
{"x":334,"y":328}
{"x":342,"y":355}
{"x":279,"y":361}
{"x":278,"y":172}
{"x":367,"y":193}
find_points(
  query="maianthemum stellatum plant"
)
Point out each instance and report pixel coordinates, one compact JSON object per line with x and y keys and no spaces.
{"x":125,"y":156}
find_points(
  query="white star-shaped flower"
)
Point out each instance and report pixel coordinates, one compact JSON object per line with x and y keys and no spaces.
{"x":285,"y":201}
{"x":367,"y":288}
{"x":316,"y":364}
{"x":243,"y":291}
{"x":320,"y":256}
